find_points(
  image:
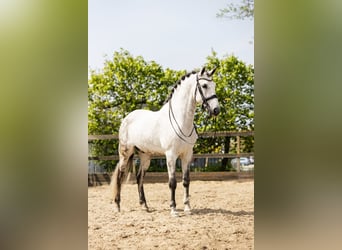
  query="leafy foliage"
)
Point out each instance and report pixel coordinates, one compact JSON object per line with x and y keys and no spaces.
{"x":235,"y":90}
{"x":127,"y":83}
{"x":238,"y":11}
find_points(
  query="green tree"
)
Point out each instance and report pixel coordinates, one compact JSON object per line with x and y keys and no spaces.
{"x":235,"y":90}
{"x":245,"y":10}
{"x":125,"y":83}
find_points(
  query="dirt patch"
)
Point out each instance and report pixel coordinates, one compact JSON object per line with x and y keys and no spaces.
{"x":222,"y":217}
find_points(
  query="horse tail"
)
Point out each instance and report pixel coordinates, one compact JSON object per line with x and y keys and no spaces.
{"x":114,"y":183}
{"x":129,"y":168}
{"x":118,"y":177}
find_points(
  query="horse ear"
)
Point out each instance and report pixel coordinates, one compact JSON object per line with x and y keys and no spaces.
{"x":202,"y":71}
{"x":210,"y":73}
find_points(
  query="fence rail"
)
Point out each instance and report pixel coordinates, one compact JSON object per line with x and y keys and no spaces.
{"x":99,"y":179}
{"x":213,"y":155}
{"x":237,"y":134}
{"x":201,"y":135}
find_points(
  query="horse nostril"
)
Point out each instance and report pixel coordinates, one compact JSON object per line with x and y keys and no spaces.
{"x":216,"y":111}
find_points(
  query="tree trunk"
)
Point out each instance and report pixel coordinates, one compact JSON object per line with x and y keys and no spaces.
{"x":226,"y":151}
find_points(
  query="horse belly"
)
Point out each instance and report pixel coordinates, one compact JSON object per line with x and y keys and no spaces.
{"x":147,"y":144}
{"x":143,"y":132}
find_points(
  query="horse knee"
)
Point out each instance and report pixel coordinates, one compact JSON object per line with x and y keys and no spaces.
{"x":186,"y":182}
{"x":172,"y":183}
{"x":122,"y":166}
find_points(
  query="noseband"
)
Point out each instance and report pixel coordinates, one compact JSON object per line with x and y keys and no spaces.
{"x":205,"y":104}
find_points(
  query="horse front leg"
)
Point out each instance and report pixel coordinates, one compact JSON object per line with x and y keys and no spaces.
{"x":186,"y":182}
{"x":171,"y":168}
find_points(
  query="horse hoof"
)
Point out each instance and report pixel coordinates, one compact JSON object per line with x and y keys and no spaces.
{"x":187,"y":212}
{"x":174,"y":213}
{"x":117,"y":209}
{"x":144,"y":208}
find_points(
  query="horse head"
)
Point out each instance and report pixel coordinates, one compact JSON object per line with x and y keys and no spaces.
{"x":205,"y":86}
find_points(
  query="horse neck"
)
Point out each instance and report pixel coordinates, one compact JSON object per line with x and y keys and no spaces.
{"x":183,"y":103}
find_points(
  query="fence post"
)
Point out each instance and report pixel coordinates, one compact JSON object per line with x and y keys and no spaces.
{"x":94,"y":178}
{"x":238,"y":153}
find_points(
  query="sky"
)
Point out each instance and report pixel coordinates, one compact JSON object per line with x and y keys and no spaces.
{"x":176,"y":34}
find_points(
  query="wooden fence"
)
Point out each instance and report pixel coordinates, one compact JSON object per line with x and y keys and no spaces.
{"x":99,"y":178}
{"x":201,"y":135}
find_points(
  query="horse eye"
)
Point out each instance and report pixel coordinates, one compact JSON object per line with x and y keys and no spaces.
{"x":205,"y":86}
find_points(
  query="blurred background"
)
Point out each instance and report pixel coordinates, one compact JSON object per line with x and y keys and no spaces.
{"x":43,"y":112}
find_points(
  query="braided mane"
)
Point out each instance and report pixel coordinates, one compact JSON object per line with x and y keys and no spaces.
{"x":178,"y":83}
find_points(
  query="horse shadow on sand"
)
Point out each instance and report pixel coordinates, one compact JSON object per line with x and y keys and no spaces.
{"x":201,"y":211}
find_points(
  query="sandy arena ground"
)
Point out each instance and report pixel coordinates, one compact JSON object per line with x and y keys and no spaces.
{"x":222,"y":217}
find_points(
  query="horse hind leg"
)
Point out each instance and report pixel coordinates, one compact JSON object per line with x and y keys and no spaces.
{"x":121,"y":170}
{"x":144,"y":164}
{"x":116,"y":186}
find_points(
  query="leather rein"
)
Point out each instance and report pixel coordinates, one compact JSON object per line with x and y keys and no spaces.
{"x":205,"y":105}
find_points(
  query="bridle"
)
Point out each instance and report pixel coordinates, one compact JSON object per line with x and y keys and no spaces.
{"x":181,"y":135}
{"x":205,"y":105}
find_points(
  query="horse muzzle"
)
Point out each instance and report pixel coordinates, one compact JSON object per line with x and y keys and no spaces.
{"x":212,"y":112}
{"x":216,"y":111}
